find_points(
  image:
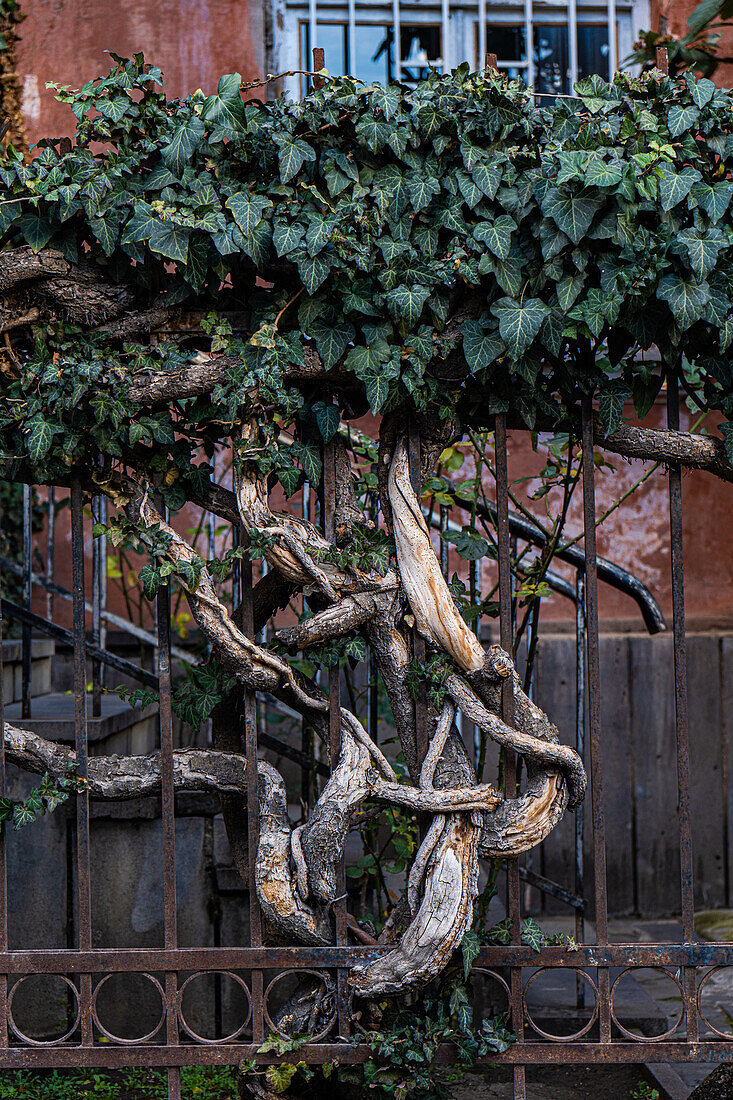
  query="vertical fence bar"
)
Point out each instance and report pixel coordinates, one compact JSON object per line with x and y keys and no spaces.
{"x":580,"y":749}
{"x":50,"y":549}
{"x":308,"y":779}
{"x":680,"y":708}
{"x":26,"y":641}
{"x":3,"y":844}
{"x":83,"y":877}
{"x":594,"y":714}
{"x":418,"y":642}
{"x":253,"y":817}
{"x":96,"y":610}
{"x":170,"y":923}
{"x":373,"y":690}
{"x":510,"y":760}
{"x":334,"y":726}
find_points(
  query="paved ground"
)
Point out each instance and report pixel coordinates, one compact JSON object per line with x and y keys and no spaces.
{"x":555,"y":1083}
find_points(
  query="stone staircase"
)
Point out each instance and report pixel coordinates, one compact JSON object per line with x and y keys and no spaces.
{"x":119,"y":728}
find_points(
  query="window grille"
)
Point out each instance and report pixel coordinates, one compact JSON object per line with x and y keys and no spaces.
{"x":385,"y":40}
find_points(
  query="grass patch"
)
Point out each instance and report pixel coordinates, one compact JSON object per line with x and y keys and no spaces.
{"x":197,"y":1083}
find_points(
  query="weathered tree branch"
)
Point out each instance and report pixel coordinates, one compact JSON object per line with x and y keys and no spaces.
{"x":699,"y":452}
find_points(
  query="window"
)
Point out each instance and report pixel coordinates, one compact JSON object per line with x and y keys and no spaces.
{"x":383,"y":40}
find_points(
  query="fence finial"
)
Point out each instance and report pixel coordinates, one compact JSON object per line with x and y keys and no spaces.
{"x":319,"y":62}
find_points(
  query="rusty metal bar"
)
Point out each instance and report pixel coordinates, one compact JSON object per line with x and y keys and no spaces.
{"x":96,"y":609}
{"x":3,"y":847}
{"x":308,"y":785}
{"x":83,"y":876}
{"x":594,"y":714}
{"x":418,"y":642}
{"x":50,"y":549}
{"x":687,"y":885}
{"x":334,"y":727}
{"x":579,"y":831}
{"x":26,"y":640}
{"x":319,"y":62}
{"x":510,"y":760}
{"x":170,"y":922}
{"x":347,"y":1054}
{"x":134,"y":960}
{"x":14,"y":611}
{"x":253,"y":802}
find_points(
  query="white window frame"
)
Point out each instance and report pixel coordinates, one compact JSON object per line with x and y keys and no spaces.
{"x":463,"y":28}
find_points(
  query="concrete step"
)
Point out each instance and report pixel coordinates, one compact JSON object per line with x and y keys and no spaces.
{"x":119,"y":728}
{"x":42,"y":651}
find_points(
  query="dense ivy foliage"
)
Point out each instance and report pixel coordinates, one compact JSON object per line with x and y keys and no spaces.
{"x":450,"y":246}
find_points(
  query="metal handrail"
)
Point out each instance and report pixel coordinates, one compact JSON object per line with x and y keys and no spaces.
{"x":612,"y":574}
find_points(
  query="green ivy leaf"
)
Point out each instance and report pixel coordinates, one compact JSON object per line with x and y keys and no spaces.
{"x":185,"y":141}
{"x":39,"y":438}
{"x":422,"y":190}
{"x":496,"y":235}
{"x":313,"y":271}
{"x":292,"y":156}
{"x":703,"y":246}
{"x":480,"y":347}
{"x":287,"y":237}
{"x":602,"y":174}
{"x":406,"y":303}
{"x":681,"y":118}
{"x":687,"y":300}
{"x":470,"y":947}
{"x":519,"y":322}
{"x":328,"y":421}
{"x":171,"y":240}
{"x":142,"y":224}
{"x":611,"y":398}
{"x":332,"y":340}
{"x":676,"y":186}
{"x":225,"y":109}
{"x":714,"y":199}
{"x":571,"y":211}
{"x":37,"y":230}
{"x":247,"y":210}
{"x":377,"y":391}
{"x":702,"y":90}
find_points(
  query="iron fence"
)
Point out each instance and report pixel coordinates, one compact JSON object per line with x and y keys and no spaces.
{"x":259,"y":969}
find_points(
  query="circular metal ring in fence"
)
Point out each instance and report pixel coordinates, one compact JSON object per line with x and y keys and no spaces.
{"x":320,"y":1002}
{"x":119,"y":1038}
{"x":562,"y":973}
{"x":480,"y":1008}
{"x":214,"y":1039}
{"x":633,"y":972}
{"x":19,"y":1033}
{"x":712,"y":978}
